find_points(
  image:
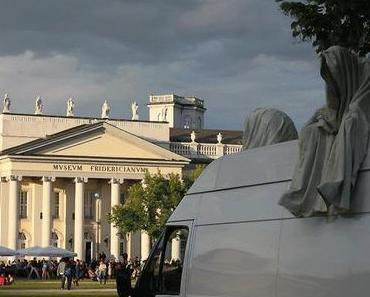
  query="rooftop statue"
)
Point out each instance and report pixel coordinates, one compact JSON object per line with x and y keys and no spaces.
{"x":6,"y":104}
{"x":105,"y":109}
{"x":70,"y":107}
{"x":266,"y":126}
{"x":38,"y":105}
{"x":334,"y":143}
{"x":135,"y":111}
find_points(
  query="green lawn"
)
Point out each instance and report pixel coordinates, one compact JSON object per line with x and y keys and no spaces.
{"x":55,"y":284}
{"x":27,"y":288}
{"x":61,"y":293}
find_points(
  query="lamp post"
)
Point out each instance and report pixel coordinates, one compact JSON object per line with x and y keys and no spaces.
{"x":97,"y":197}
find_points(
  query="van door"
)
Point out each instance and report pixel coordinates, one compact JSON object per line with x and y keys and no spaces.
{"x":164,"y":274}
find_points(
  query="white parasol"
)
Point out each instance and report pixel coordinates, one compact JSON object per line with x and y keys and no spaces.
{"x":4,"y":251}
{"x":49,"y":251}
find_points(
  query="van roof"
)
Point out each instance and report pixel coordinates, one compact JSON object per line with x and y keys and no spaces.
{"x":257,"y":166}
{"x":248,"y":186}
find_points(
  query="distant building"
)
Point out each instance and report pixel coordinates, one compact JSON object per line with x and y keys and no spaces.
{"x":179,"y":112}
{"x":60,"y":175}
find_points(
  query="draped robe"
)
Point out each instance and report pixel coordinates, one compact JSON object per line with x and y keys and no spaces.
{"x":333,"y":145}
{"x":266,"y":126}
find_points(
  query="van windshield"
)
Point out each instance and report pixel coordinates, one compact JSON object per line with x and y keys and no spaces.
{"x":162,"y":274}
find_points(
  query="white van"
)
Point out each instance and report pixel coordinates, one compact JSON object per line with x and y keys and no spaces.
{"x":237,"y":241}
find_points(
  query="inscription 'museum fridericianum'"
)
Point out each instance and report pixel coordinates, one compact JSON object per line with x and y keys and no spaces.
{"x":98,"y":168}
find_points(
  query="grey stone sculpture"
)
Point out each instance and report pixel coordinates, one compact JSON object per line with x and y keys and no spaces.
{"x":38,"y":105}
{"x":334,"y":143}
{"x":135,"y":111}
{"x":70,"y":107}
{"x":6,"y":104}
{"x":105,"y":109}
{"x":265,"y":126}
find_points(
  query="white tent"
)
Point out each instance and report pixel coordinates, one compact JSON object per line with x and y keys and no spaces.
{"x":49,"y":251}
{"x":6,"y":252}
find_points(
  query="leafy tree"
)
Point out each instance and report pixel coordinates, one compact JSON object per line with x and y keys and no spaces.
{"x":150,"y":204}
{"x":189,"y":180}
{"x":331,"y":22}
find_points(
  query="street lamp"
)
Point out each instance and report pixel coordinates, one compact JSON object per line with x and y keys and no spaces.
{"x":97,"y":197}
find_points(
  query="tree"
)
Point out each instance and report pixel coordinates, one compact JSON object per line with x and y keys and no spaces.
{"x":150,"y":204}
{"x":331,"y":22}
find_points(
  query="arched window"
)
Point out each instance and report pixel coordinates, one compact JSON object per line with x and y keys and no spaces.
{"x":187,"y":122}
{"x":199,"y":123}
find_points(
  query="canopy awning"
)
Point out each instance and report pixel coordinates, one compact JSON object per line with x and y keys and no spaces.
{"x":4,"y":251}
{"x":49,"y":251}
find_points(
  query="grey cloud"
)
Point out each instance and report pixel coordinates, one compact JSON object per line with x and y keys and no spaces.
{"x":237,"y":54}
{"x":141,"y":31}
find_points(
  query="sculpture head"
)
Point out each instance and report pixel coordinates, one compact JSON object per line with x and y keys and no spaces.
{"x":343,"y":72}
{"x":265,"y":126}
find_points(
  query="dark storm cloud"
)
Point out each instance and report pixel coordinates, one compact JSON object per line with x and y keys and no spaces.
{"x":216,"y":49}
{"x":142,"y":31}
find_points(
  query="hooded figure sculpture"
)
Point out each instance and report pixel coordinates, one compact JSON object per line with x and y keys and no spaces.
{"x":334,"y":143}
{"x":265,"y":126}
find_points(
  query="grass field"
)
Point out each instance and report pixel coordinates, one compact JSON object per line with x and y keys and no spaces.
{"x":61,"y":293}
{"x":38,"y":288}
{"x":55,"y":284}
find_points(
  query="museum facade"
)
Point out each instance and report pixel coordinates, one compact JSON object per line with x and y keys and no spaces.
{"x":61,"y":175}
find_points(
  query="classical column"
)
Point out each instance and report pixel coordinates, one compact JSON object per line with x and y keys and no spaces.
{"x":114,"y":231}
{"x":175,"y":249}
{"x":47,"y":183}
{"x":145,"y":245}
{"x":129,"y":244}
{"x":79,"y":217}
{"x":14,"y":182}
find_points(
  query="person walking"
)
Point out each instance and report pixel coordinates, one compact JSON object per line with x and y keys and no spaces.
{"x":123,"y":277}
{"x":33,"y":269}
{"x":78,"y":269}
{"x":70,"y":272}
{"x":61,"y":273}
{"x":45,"y":270}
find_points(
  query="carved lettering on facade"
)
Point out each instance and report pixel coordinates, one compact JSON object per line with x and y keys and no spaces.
{"x":99,"y":168}
{"x":67,"y":167}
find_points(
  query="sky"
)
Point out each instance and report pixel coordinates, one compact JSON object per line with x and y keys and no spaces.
{"x":237,"y":55}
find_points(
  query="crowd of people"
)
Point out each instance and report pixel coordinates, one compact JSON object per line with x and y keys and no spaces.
{"x":70,"y":271}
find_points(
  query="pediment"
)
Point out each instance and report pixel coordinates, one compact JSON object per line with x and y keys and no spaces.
{"x":100,"y":140}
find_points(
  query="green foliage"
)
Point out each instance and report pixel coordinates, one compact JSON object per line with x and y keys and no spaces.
{"x":150,"y":204}
{"x":189,"y":180}
{"x":331,"y":22}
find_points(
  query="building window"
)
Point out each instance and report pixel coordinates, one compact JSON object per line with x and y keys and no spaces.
{"x":122,"y":198}
{"x":121,"y":248}
{"x":88,"y":205}
{"x":187,"y":122}
{"x":199,"y":123}
{"x":57,"y":196}
{"x":23,"y":201}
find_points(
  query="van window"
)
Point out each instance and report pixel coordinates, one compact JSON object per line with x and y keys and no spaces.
{"x":162,"y":274}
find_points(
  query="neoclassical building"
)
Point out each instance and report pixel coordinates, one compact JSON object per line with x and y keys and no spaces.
{"x":61,"y":175}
